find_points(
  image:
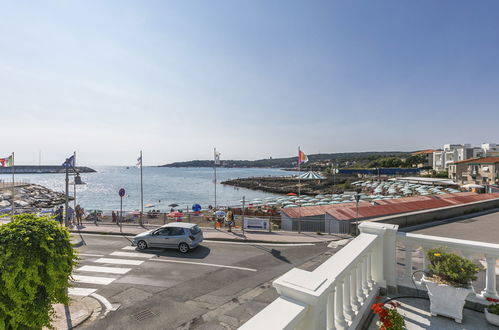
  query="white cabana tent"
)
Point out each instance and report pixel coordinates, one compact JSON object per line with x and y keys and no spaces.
{"x":311,"y":175}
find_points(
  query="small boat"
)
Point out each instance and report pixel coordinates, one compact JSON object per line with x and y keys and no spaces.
{"x":149,"y":205}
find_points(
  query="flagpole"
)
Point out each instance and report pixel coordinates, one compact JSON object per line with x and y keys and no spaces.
{"x":141,"y":190}
{"x":13,"y":184}
{"x":74,"y":183}
{"x":215,"y":170}
{"x":299,"y":171}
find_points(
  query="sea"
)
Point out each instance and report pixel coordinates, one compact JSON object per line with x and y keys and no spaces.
{"x":162,"y":186}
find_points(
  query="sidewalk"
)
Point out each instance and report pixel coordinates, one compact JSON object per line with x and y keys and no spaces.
{"x":78,"y":311}
{"x":278,"y":237}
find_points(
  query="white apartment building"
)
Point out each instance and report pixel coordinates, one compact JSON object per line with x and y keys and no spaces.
{"x":457,"y":152}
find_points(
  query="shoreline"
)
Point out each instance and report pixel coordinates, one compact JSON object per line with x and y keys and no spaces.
{"x":29,"y":196}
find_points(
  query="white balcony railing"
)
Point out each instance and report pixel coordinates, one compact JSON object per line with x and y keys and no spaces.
{"x":468,"y":249}
{"x":339,"y":293}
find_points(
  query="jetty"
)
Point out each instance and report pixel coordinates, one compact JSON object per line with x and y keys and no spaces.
{"x":38,"y":169}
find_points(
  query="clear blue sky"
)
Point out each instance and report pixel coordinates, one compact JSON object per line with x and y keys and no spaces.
{"x":252,"y":78}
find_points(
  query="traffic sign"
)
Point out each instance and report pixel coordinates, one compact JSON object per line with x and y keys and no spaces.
{"x":121,"y":192}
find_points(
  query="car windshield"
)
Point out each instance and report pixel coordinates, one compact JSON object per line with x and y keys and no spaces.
{"x":194,"y":230}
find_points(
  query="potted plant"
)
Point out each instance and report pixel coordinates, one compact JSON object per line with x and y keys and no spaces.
{"x":492,"y":311}
{"x":389,"y":317}
{"x":448,"y":281}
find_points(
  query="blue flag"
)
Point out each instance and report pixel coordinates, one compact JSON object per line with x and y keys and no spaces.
{"x":70,"y":162}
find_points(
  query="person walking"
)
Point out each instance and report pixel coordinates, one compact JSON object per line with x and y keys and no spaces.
{"x":59,"y":214}
{"x":229,"y":219}
{"x":71,"y":213}
{"x":79,"y":214}
{"x":113,"y":215}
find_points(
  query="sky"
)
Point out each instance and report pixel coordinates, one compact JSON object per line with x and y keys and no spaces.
{"x":255,"y":79}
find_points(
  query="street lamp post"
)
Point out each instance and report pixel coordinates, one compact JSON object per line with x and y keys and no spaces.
{"x":357,"y":199}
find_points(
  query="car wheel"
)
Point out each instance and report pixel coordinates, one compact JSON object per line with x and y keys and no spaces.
{"x":183,"y":247}
{"x":142,"y":245}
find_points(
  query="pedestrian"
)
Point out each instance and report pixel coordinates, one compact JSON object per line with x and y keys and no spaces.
{"x":229,"y":218}
{"x":59,"y":214}
{"x":113,"y":215}
{"x":71,"y":213}
{"x":78,"y":215}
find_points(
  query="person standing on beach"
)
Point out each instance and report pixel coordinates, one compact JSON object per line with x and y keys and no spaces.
{"x":113,"y":215}
{"x":229,"y":218}
{"x":71,"y":213}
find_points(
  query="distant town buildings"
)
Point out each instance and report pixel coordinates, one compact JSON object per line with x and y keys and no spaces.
{"x":427,"y":155}
{"x":452,"y":153}
{"x":479,"y":171}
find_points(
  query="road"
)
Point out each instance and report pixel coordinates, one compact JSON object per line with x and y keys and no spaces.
{"x":219,"y":285}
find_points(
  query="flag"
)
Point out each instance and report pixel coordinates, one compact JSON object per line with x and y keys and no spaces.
{"x":217,"y":158}
{"x":70,"y":162}
{"x":6,"y":162}
{"x":302,"y":158}
{"x":139,"y":162}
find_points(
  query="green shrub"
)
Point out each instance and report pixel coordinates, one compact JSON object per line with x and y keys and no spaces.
{"x":36,"y":261}
{"x":450,"y":268}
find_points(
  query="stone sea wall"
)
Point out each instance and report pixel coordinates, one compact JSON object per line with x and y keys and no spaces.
{"x":30,"y":196}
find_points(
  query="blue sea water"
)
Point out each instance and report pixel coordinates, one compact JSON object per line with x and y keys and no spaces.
{"x":162,"y":186}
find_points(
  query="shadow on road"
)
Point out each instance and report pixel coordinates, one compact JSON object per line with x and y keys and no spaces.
{"x":275,"y":253}
{"x":80,"y":243}
{"x":199,"y":252}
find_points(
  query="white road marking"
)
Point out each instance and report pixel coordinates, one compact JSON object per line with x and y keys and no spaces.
{"x":132,"y":248}
{"x":93,"y":279}
{"x":81,"y":291}
{"x":99,"y":269}
{"x":249,"y":243}
{"x":105,"y":302}
{"x":90,"y":255}
{"x":119,"y":261}
{"x":204,"y":264}
{"x":132,"y":254}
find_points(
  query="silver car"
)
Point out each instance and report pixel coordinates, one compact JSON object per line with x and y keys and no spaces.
{"x":176,"y":235}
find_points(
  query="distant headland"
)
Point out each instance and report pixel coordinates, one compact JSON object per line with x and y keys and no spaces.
{"x":38,"y":169}
{"x":317,"y":161}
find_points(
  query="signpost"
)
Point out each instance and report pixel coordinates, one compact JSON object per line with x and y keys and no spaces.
{"x":122,"y":194}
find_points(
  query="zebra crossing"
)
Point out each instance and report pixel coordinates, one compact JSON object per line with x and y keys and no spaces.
{"x":101,"y":270}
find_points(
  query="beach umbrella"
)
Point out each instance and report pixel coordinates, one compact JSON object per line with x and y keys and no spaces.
{"x":322,"y":203}
{"x":308,"y":204}
{"x":175,"y":214}
{"x":196,"y":207}
{"x":287,"y":203}
{"x":272,"y":203}
{"x":173,"y":205}
{"x":289,"y":206}
{"x":291,"y":194}
{"x":219,"y":213}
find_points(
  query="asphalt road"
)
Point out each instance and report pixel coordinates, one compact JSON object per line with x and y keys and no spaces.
{"x":218,"y":285}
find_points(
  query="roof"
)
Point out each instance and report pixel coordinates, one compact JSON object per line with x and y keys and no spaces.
{"x":485,"y":160}
{"x":427,"y":151}
{"x":179,"y":224}
{"x":431,"y":202}
{"x":310,"y":211}
{"x":464,"y":161}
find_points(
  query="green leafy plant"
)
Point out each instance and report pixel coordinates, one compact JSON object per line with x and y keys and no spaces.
{"x":36,"y":261}
{"x":493,"y":308}
{"x":450,"y":268}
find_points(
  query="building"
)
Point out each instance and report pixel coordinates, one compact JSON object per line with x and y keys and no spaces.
{"x":457,"y":152}
{"x":480,"y":171}
{"x":428,"y":157}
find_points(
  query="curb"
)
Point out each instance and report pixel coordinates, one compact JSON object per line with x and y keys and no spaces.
{"x":240,"y":240}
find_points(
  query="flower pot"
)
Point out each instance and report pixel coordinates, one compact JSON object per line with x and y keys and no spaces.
{"x":491,"y":317}
{"x":446,"y":300}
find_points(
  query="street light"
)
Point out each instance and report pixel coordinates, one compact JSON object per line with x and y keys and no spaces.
{"x":357,"y":199}
{"x":77,"y":181}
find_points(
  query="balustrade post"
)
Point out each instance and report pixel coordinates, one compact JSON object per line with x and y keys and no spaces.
{"x":330,"y":309}
{"x":490,"y":284}
{"x":365,"y":286}
{"x":370,"y":281}
{"x":426,"y":261}
{"x":353,"y":289}
{"x":360,"y":293}
{"x":408,"y":260}
{"x":339,"y":316}
{"x":347,"y":300}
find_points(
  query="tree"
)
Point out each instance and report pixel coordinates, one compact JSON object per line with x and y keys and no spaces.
{"x":36,"y":261}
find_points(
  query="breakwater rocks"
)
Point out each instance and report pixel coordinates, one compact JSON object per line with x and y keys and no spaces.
{"x":35,"y":169}
{"x":28,"y":196}
{"x":284,"y":185}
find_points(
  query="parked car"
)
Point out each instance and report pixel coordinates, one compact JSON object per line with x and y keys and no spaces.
{"x":176,"y":235}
